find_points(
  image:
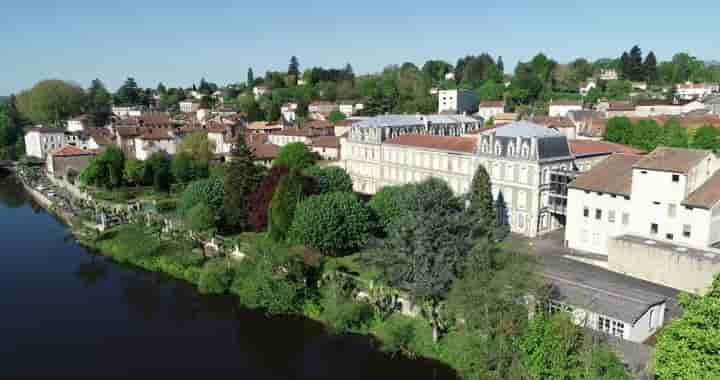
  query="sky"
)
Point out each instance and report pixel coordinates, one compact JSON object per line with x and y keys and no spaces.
{"x":178,"y":42}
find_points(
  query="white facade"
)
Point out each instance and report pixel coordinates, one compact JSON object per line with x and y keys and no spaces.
{"x":222,"y":146}
{"x":77,"y":124}
{"x":144,"y":148}
{"x":690,"y":91}
{"x":282,"y":140}
{"x":561,"y":109}
{"x":289,"y":111}
{"x":655,"y":207}
{"x":457,"y":101}
{"x":347,"y":109}
{"x":40,"y":141}
{"x":608,"y":74}
{"x":124,"y":112}
{"x":648,"y":110}
{"x":586,"y":87}
{"x":322,"y":107}
{"x":189,"y":106}
{"x":259,"y":91}
{"x":490,"y":110}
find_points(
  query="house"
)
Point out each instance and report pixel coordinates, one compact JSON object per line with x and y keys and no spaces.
{"x":618,"y":306}
{"x":347,"y":108}
{"x":289,"y":111}
{"x":713,"y":105}
{"x":608,"y":74}
{"x":259,"y":91}
{"x":189,"y":106}
{"x":505,"y":118}
{"x":322,"y":107}
{"x":99,"y":138}
{"x":562,"y":124}
{"x":653,"y":216}
{"x":585,"y":87}
{"x":488,"y":109}
{"x":588,"y":124}
{"x":39,"y":141}
{"x":264,"y":127}
{"x":303,"y":135}
{"x":63,"y":161}
{"x":78,"y":124}
{"x":343,"y":126}
{"x":655,"y":107}
{"x":450,"y":76}
{"x":152,"y":140}
{"x":264,"y":153}
{"x":457,"y":101}
{"x":327,"y":147}
{"x":692,"y":91}
{"x":617,"y":109}
{"x":562,"y":107}
{"x":126,"y":111}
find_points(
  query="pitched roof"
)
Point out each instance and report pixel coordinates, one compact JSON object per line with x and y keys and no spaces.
{"x":44,"y":130}
{"x":492,"y":104}
{"x":447,"y":143}
{"x":265,"y":151}
{"x":621,"y":106}
{"x":69,"y":150}
{"x":581,"y":148}
{"x":156,"y":134}
{"x":707,"y":195}
{"x":101,"y":135}
{"x":554,"y":121}
{"x":671,"y":159}
{"x":525,"y":129}
{"x":326,"y":141}
{"x":260,"y":125}
{"x":613,"y":175}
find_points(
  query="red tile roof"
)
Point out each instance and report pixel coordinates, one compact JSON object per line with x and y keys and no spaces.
{"x":326,"y":141}
{"x":156,"y":134}
{"x":565,"y":103}
{"x":672,"y":159}
{"x":69,"y":150}
{"x":448,"y":143}
{"x":707,"y":195}
{"x":101,"y":135}
{"x":553,"y":121}
{"x":492,"y":103}
{"x":591,"y":147}
{"x":613,"y":175}
{"x":265,"y":151}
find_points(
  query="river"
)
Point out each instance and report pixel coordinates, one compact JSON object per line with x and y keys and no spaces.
{"x":65,"y":312}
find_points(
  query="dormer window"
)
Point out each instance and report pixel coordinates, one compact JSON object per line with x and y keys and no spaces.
{"x":498,"y":148}
{"x":511,"y":150}
{"x":525,"y":150}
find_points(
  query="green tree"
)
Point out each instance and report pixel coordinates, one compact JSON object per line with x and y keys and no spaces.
{"x":51,"y":101}
{"x":250,"y":78}
{"x":105,"y":170}
{"x":688,"y":347}
{"x":157,"y":171}
{"x":182,"y":168}
{"x":295,"y":156}
{"x":293,"y":188}
{"x":675,"y":135}
{"x":426,"y":246}
{"x":330,"y":179}
{"x":482,"y":203}
{"x":333,"y":223}
{"x":637,"y":70}
{"x":98,"y":104}
{"x":251,"y":108}
{"x":387,"y":205}
{"x":618,"y":89}
{"x":651,"y":69}
{"x":200,"y":218}
{"x":294,"y":67}
{"x":128,"y":94}
{"x":491,"y":90}
{"x":134,"y":172}
{"x":11,"y":134}
{"x":336,"y":116}
{"x":706,"y":137}
{"x":241,"y":179}
{"x":208,"y":192}
{"x":198,"y":145}
{"x":646,"y":134}
{"x":618,"y":130}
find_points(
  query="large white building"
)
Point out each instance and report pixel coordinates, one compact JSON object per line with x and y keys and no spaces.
{"x":522,"y":159}
{"x":656,"y":217}
{"x":457,"y":101}
{"x":560,"y":108}
{"x":691,"y":91}
{"x":39,"y":141}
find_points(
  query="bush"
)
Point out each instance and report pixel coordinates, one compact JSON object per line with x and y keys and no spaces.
{"x":332,"y":223}
{"x":216,"y":277}
{"x":401,"y":334}
{"x":167,"y":205}
{"x":330,"y":179}
{"x":200,"y":218}
{"x":181,"y":167}
{"x":295,"y":156}
{"x":257,"y":287}
{"x":208,"y":192}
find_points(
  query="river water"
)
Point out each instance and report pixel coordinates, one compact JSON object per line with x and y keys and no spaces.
{"x":67,"y":313}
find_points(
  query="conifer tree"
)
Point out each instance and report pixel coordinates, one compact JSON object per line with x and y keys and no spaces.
{"x":241,"y":179}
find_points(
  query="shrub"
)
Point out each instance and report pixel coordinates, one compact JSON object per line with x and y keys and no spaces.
{"x":295,"y":156}
{"x":208,"y":192}
{"x":166,"y":205}
{"x":257,"y":287}
{"x":404,"y":334}
{"x":181,"y":167}
{"x":216,"y":277}
{"x":200,"y":218}
{"x":332,"y":223}
{"x":330,"y":179}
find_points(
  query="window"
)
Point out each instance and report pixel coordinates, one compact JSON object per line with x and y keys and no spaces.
{"x":669,"y":236}
{"x":676,"y":178}
{"x":611,"y":216}
{"x":611,"y":326}
{"x":584,"y":236}
{"x":498,"y":148}
{"x":598,"y":214}
{"x":596,"y":238}
{"x":656,"y":203}
{"x":586,"y":212}
{"x":625,"y":219}
{"x":672,"y":210}
{"x":686,"y":230}
{"x":653,"y":228}
{"x":643,"y":172}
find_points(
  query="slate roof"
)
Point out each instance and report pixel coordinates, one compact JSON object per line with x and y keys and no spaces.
{"x":619,"y":299}
{"x":613,"y":175}
{"x":525,"y":129}
{"x":707,"y":195}
{"x":446,"y":143}
{"x":671,"y":159}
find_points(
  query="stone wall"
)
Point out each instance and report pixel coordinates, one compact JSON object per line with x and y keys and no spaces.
{"x":686,"y":269}
{"x":61,"y":165}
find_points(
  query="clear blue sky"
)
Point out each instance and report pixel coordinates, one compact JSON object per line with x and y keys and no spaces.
{"x":178,"y":42}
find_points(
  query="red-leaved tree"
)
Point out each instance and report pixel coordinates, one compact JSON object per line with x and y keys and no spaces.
{"x":260,"y":199}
